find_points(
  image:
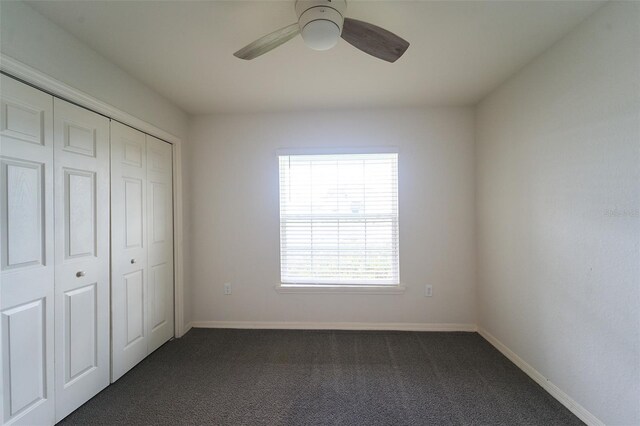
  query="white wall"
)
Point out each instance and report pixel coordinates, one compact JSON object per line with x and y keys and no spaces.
{"x":28,"y":37}
{"x":558,"y":214}
{"x":235,"y":218}
{"x":32,"y":39}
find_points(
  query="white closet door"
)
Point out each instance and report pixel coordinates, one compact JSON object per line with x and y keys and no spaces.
{"x":128,"y":249}
{"x":27,"y":254}
{"x":81,"y":158}
{"x":160,"y":242}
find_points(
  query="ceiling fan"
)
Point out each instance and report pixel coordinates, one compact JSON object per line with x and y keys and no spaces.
{"x":321,"y":23}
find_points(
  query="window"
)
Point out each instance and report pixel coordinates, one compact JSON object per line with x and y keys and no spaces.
{"x":339,"y":219}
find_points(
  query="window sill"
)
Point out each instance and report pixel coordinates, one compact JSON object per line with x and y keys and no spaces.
{"x":340,"y":289}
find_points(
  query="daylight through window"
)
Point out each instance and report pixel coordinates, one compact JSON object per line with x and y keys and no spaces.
{"x":339,"y":219}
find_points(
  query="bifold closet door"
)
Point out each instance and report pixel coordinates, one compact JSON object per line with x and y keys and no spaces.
{"x":160,"y":238}
{"x":142,"y":292}
{"x":128,"y":248}
{"x":27,"y":254}
{"x":81,"y":160}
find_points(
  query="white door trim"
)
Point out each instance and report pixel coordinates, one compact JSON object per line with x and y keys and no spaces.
{"x":48,"y":84}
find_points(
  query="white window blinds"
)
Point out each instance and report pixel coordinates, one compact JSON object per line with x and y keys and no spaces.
{"x":339,"y":219}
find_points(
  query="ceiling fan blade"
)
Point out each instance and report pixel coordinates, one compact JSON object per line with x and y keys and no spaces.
{"x":268,"y":42}
{"x":374,"y":40}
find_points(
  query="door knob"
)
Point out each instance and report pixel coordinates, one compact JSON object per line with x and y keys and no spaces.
{"x":80,"y":274}
{"x":133,"y":261}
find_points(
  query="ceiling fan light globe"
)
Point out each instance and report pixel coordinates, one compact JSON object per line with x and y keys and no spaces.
{"x":321,"y":34}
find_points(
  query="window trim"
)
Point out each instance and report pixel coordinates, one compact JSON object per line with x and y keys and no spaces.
{"x":338,"y":151}
{"x":342,"y":288}
{"x":283,"y":288}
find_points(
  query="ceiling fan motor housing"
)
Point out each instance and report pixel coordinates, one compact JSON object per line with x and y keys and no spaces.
{"x":320,"y":21}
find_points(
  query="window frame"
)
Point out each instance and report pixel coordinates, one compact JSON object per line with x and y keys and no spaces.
{"x":340,"y":287}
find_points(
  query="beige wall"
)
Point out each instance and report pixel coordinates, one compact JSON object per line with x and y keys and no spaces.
{"x":235,"y":218}
{"x":558,"y":224}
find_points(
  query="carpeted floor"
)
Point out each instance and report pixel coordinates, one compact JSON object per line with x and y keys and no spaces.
{"x":279,"y":377}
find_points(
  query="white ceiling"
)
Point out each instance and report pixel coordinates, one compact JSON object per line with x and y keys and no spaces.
{"x":459,"y":51}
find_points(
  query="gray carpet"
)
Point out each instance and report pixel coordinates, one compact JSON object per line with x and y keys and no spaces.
{"x":279,"y":377}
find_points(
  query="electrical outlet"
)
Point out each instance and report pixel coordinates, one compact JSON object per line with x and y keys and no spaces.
{"x":227,"y":289}
{"x":428,"y":290}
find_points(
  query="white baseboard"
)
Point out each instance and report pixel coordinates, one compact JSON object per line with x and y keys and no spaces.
{"x":286,"y":325}
{"x":577,"y":409}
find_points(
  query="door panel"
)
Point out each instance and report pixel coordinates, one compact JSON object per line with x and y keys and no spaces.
{"x":24,"y":342}
{"x":129,"y":251}
{"x":81,"y":140}
{"x":22,"y":120}
{"x":160,"y":238}
{"x":22,"y":194}
{"x":134,"y":220}
{"x":27,"y":253}
{"x":81,"y":315}
{"x":80,"y":213}
{"x":134,"y":285}
{"x":158,"y":289}
{"x":158,"y":212}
